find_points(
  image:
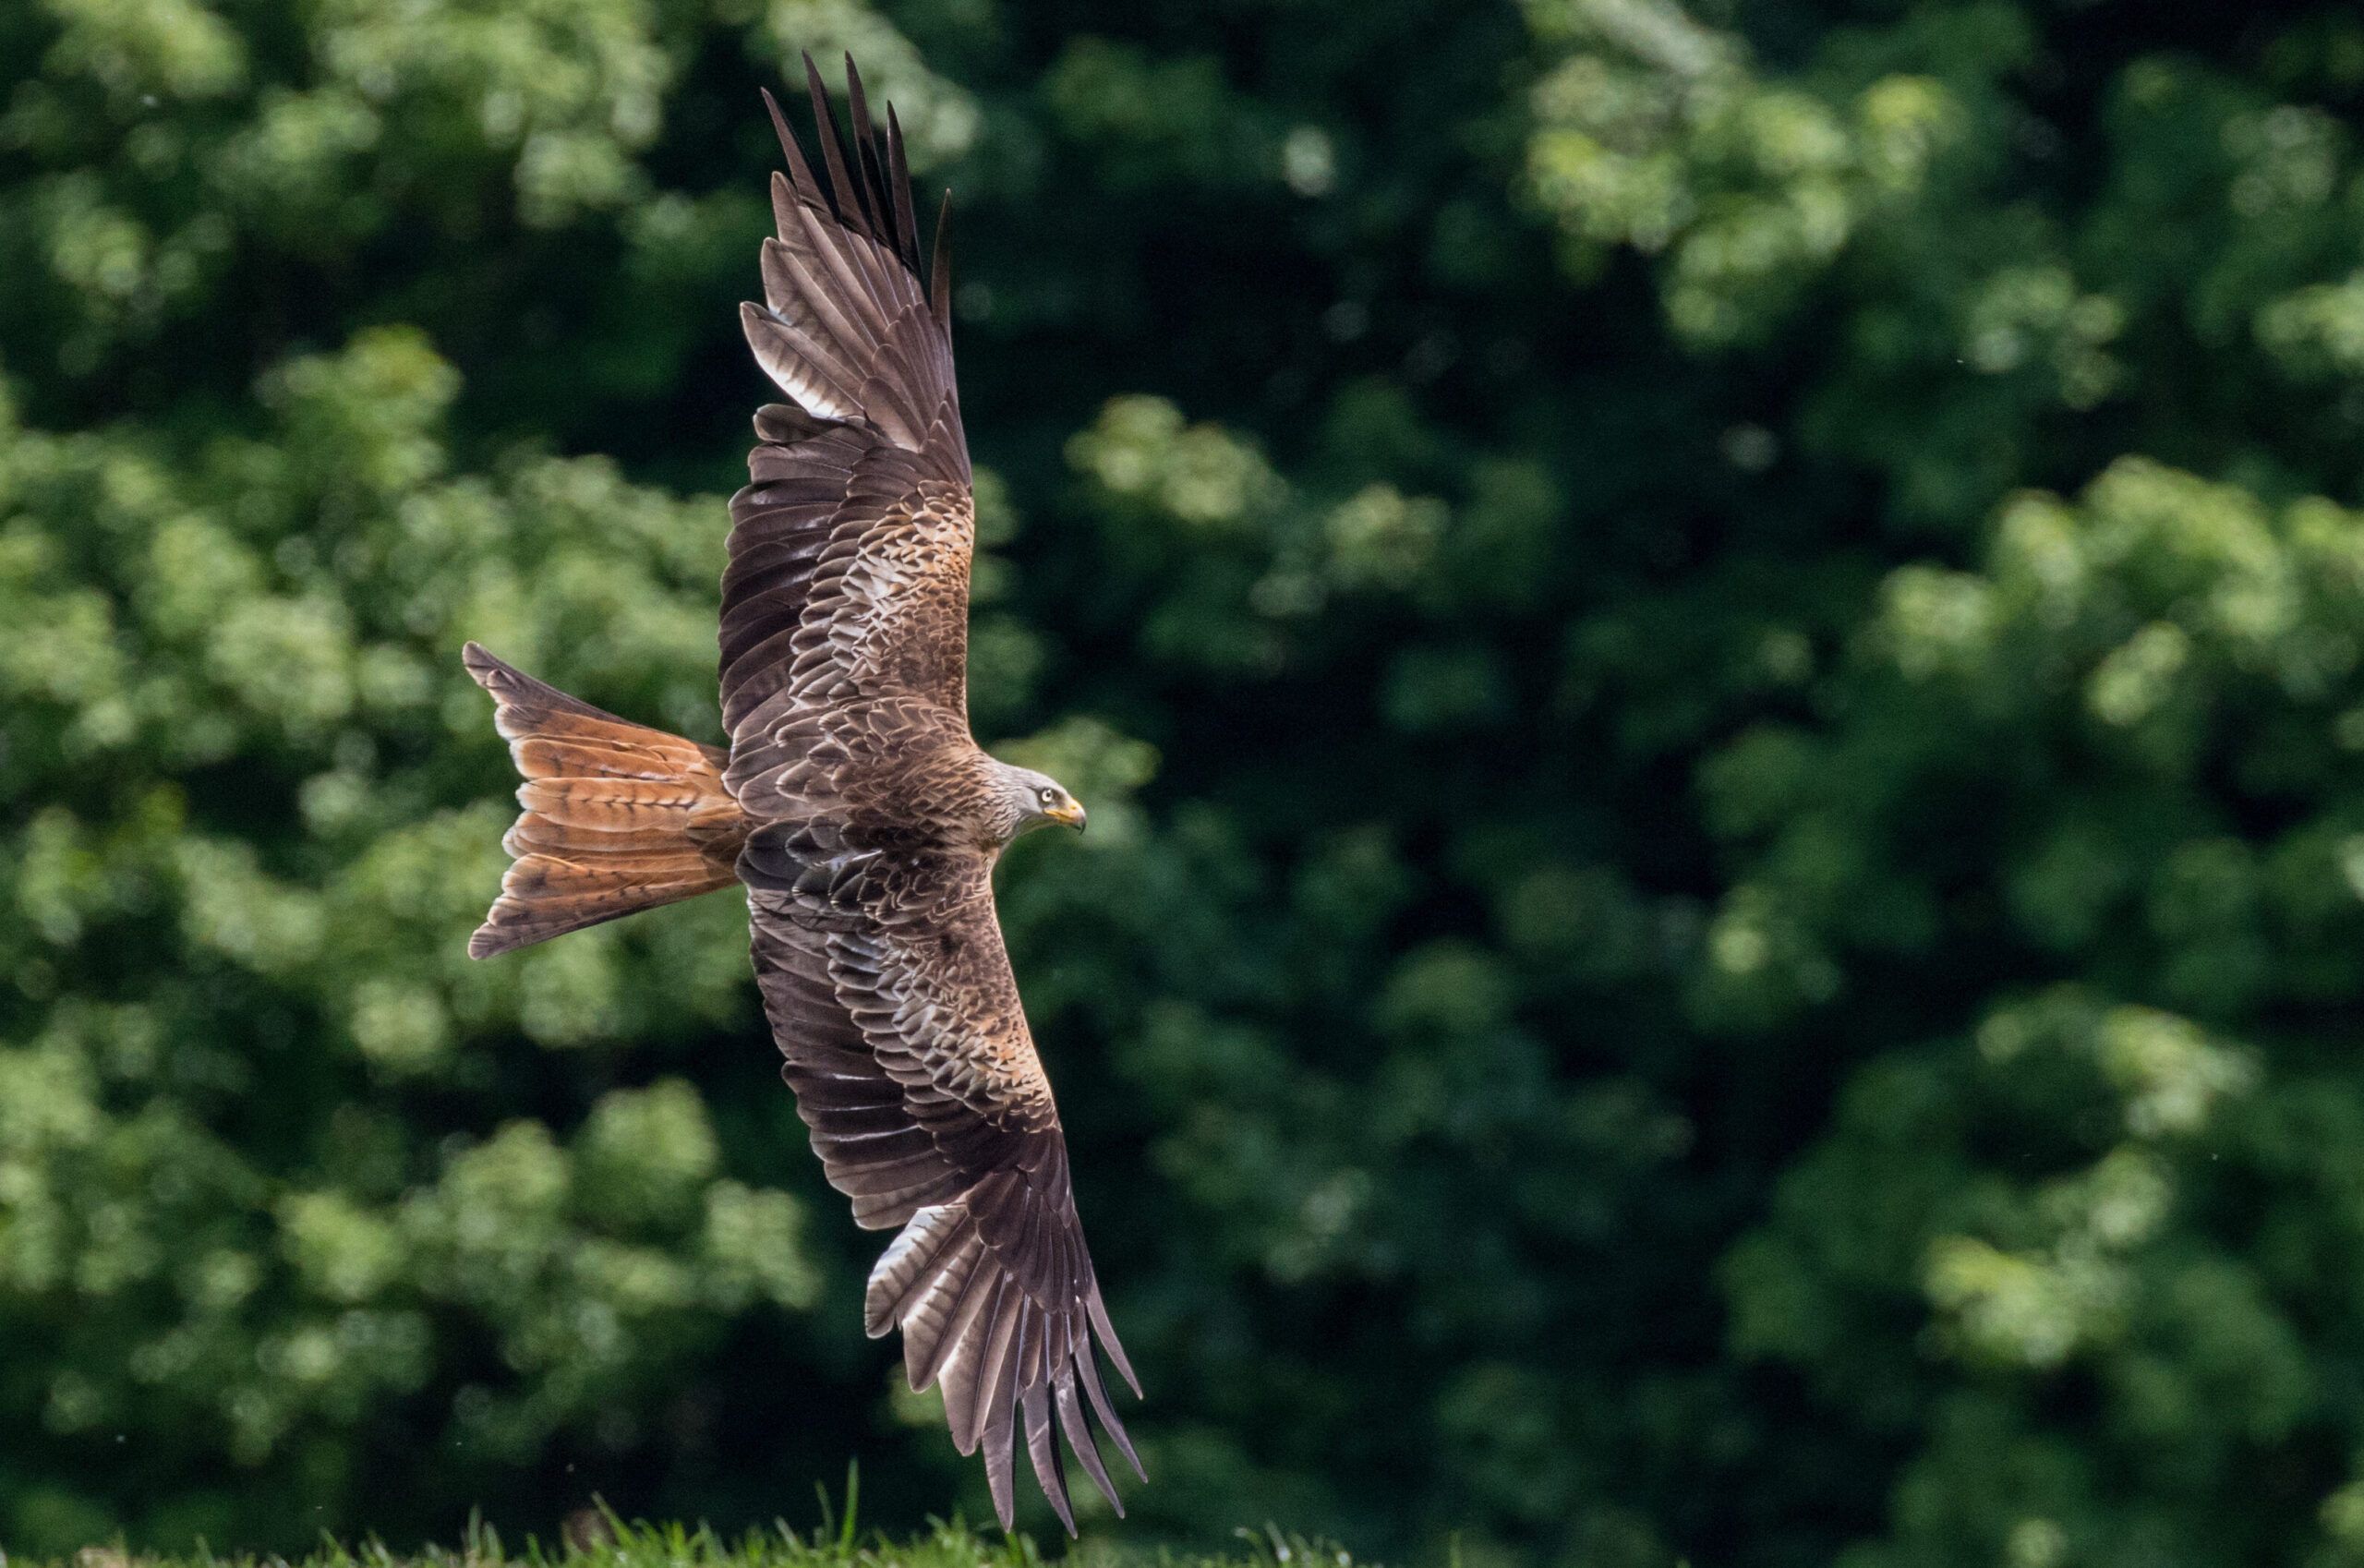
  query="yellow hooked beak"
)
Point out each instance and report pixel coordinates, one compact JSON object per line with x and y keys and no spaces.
{"x":1069,"y":812}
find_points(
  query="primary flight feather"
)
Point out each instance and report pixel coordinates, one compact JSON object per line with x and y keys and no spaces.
{"x":862,"y":817}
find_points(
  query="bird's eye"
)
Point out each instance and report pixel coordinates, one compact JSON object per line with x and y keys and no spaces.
{"x":1050,"y":797}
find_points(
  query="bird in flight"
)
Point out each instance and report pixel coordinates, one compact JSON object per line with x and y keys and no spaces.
{"x":862,"y":817}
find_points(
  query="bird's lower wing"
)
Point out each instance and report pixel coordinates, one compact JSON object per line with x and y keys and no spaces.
{"x":913,"y":1067}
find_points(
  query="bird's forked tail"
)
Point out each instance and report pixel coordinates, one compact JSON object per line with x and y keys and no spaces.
{"x":617,"y":818}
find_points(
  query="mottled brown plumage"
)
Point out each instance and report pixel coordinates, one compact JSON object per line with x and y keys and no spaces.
{"x":863,"y":818}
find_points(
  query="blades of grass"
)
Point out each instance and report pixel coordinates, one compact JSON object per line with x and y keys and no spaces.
{"x":618,"y":1532}
{"x":479,"y":1544}
{"x":828,"y":1514}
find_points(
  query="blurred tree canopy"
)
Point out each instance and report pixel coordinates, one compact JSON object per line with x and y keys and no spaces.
{"x":1721,"y":649}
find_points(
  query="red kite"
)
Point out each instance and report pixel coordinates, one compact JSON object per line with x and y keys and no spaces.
{"x":861,"y":817}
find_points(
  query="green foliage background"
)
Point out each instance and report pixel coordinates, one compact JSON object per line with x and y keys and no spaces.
{"x":1717,"y":651}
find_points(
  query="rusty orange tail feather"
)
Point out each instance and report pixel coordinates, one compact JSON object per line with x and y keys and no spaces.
{"x":617,"y":818}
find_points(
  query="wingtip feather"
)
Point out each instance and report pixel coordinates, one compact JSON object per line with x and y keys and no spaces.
{"x":1043,"y":1452}
{"x":1098,"y":1309}
{"x":899,"y":186}
{"x":482,"y":666}
{"x":799,"y":172}
{"x":779,"y":123}
{"x":939,"y":269}
{"x":843,"y":196}
{"x":868,"y":166}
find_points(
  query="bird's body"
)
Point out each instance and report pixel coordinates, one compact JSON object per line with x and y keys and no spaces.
{"x":863,"y":818}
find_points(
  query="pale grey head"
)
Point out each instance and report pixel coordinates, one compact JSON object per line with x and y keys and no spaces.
{"x":1027,"y":799}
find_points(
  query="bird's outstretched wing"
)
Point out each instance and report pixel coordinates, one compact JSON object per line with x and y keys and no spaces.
{"x":882,"y":966}
{"x":890,"y":994}
{"x":848,"y":582}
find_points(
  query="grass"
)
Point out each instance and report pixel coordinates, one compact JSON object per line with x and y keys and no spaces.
{"x":643,"y":1545}
{"x":600,"y":1540}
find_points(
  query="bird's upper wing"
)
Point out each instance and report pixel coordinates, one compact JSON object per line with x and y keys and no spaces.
{"x":849,"y":547}
{"x":891,"y":995}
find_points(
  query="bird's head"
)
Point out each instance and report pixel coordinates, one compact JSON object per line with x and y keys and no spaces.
{"x":1034,"y":798}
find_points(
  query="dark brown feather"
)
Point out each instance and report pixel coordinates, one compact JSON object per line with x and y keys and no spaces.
{"x":867,"y":165}
{"x":899,"y":187}
{"x":939,"y":272}
{"x":845,"y":198}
